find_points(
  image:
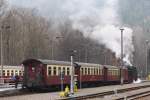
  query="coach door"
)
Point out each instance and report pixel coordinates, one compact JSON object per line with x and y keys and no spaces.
{"x":40,"y":74}
{"x":35,"y":74}
{"x":77,"y":77}
{"x":31,"y":72}
{"x":105,"y":73}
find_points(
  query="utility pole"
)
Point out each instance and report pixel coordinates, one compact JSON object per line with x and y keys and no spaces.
{"x":72,"y":76}
{"x":72,"y":72}
{"x":53,"y":46}
{"x":121,"y":56}
{"x":1,"y":54}
{"x":146,"y":69}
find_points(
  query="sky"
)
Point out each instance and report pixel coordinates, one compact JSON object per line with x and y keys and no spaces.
{"x":97,"y":19}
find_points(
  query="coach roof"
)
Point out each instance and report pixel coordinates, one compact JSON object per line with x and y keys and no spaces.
{"x":44,"y":61}
{"x":54,"y":62}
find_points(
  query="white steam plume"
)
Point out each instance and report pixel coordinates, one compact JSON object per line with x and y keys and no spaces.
{"x":97,"y":19}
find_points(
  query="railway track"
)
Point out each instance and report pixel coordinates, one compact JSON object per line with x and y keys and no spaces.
{"x":138,"y":96}
{"x":142,"y":97}
{"x":16,"y":92}
{"x":116,"y":94}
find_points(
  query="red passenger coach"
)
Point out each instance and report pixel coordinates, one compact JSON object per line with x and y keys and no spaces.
{"x":46,"y":73}
{"x":90,"y":74}
{"x":112,"y":74}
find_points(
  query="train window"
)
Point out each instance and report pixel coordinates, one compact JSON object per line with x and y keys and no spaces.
{"x":12,"y":73}
{"x":97,"y":71}
{"x":68,"y":71}
{"x":92,"y":71}
{"x":85,"y":71}
{"x":64,"y":71}
{"x":89,"y":71}
{"x":54,"y":71}
{"x":101,"y":71}
{"x":3,"y":72}
{"x":49,"y":71}
{"x":8,"y":73}
{"x":20,"y":73}
{"x":82,"y":71}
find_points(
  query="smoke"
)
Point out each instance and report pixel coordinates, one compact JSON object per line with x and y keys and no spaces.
{"x":108,"y":31}
{"x":97,"y":19}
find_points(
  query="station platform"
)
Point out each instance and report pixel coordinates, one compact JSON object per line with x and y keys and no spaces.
{"x":95,"y":90}
{"x":81,"y":92}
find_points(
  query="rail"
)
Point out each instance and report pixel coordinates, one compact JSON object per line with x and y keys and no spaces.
{"x":95,"y":95}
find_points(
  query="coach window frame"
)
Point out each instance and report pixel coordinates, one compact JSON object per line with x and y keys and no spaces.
{"x":4,"y":73}
{"x":54,"y":71}
{"x":64,"y":70}
{"x":86,"y":71}
{"x":49,"y":71}
{"x":68,"y":71}
{"x":8,"y":74}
